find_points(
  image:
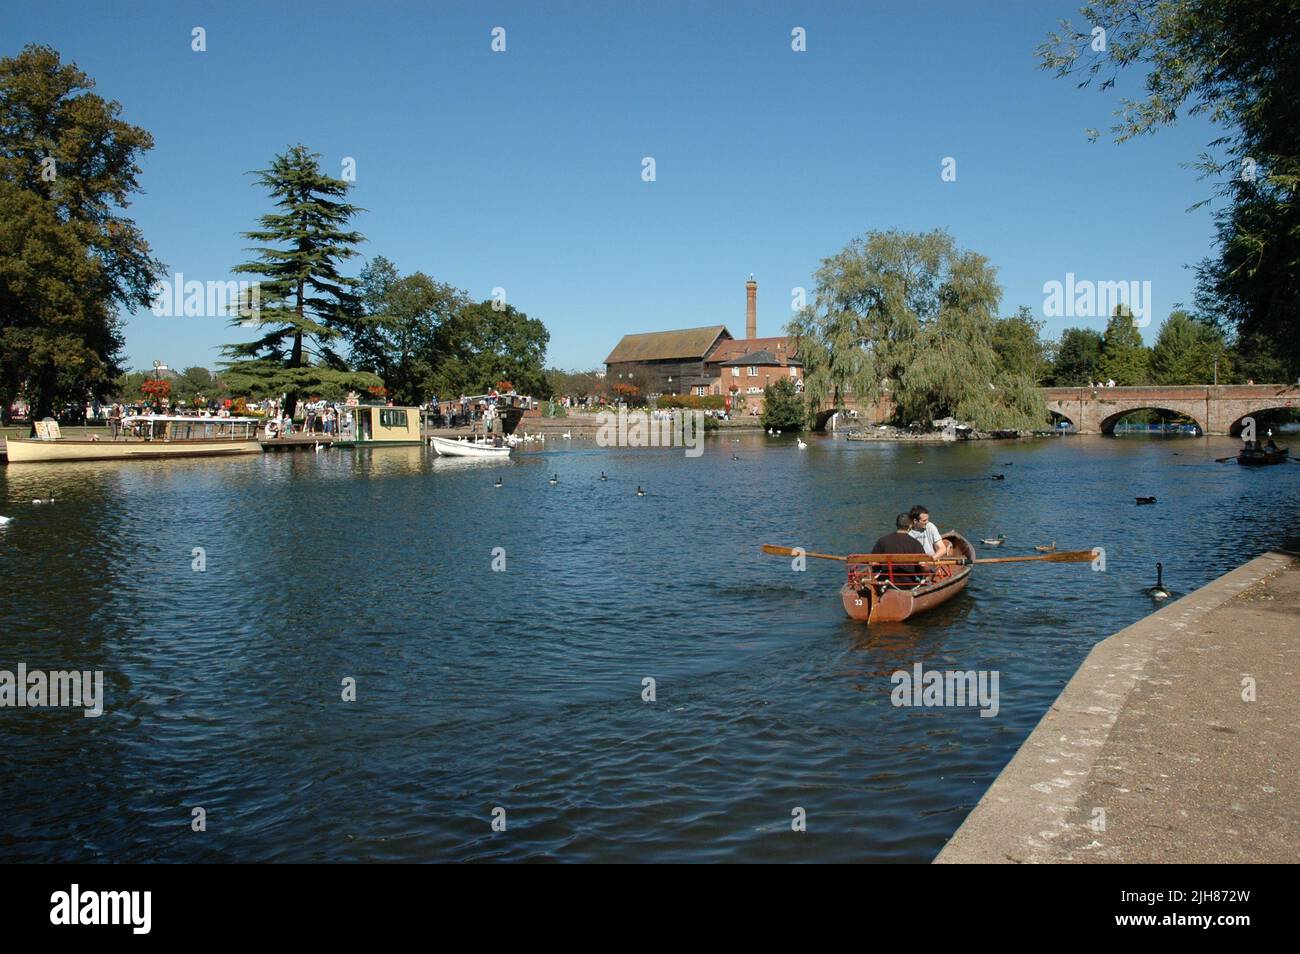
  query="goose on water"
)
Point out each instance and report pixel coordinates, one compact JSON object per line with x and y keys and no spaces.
{"x":498,"y":483}
{"x":555,"y":479}
{"x":1050,"y":548}
{"x":1158,"y":592}
{"x":998,"y":477}
{"x":996,"y":541}
{"x":639,"y":491}
{"x":1145,"y":500}
{"x":602,"y":476}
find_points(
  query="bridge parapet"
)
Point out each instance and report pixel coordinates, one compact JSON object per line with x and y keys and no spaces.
{"x":1216,"y":408}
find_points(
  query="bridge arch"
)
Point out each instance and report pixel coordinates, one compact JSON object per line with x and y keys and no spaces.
{"x":1056,"y":417}
{"x":1234,"y":429}
{"x":1108,"y":423}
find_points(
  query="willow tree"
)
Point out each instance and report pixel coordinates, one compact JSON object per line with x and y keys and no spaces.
{"x":69,"y":257}
{"x":911,"y":316}
{"x":302,"y":302}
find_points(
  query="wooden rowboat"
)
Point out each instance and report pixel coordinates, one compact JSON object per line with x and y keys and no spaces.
{"x":880,"y":593}
{"x":1260,"y":458}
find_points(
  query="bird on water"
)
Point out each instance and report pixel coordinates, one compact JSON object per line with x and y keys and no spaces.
{"x":1158,"y":592}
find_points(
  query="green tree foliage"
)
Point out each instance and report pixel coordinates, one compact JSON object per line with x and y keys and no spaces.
{"x":784,"y":408}
{"x":574,"y":383}
{"x":68,"y":256}
{"x":305,"y":304}
{"x":1124,"y":358}
{"x":1233,"y":64}
{"x":1019,"y":345}
{"x":399,"y":333}
{"x":1186,"y":350}
{"x":1078,"y":358}
{"x":483,"y":343}
{"x":911,"y":314}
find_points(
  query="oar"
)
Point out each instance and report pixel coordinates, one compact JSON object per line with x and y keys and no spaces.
{"x":1220,"y":460}
{"x":1065,"y":556}
{"x":792,"y":551}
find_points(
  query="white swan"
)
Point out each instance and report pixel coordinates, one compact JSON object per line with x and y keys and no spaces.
{"x":5,"y":520}
{"x":802,"y":445}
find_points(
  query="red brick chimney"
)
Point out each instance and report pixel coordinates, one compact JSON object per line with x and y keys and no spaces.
{"x":751,"y":308}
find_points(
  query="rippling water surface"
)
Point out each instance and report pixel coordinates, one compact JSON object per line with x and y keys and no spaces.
{"x":523,"y":689}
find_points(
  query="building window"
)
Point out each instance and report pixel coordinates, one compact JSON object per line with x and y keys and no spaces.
{"x":389,"y":417}
{"x":794,"y":373}
{"x":735,"y":372}
{"x":752,"y":370}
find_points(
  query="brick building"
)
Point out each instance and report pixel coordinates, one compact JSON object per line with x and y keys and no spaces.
{"x":707,"y":361}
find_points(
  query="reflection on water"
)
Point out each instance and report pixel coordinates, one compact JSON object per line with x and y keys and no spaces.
{"x":523,"y":688}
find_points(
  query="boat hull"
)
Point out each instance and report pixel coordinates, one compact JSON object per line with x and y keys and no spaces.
{"x":450,"y":448}
{"x":872,"y":604}
{"x":1263,"y":460}
{"x":26,"y":450}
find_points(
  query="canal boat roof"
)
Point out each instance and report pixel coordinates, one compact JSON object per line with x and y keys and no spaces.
{"x":192,"y":420}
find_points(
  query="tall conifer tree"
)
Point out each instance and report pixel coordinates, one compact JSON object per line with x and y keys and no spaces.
{"x":303,"y":304}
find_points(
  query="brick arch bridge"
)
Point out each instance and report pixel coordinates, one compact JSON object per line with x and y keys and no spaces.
{"x":1216,"y":409}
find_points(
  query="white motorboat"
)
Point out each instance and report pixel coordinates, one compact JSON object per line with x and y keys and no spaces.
{"x":446,"y":447}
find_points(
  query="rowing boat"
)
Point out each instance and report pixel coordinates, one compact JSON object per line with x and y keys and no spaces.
{"x":1258,"y":458}
{"x":449,"y":448}
{"x":879,"y":592}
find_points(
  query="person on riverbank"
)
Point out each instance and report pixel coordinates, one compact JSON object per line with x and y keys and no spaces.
{"x":927,"y":533}
{"x":901,"y":541}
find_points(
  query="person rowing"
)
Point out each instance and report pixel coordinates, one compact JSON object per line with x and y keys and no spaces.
{"x":928,"y":534}
{"x":903,"y":575}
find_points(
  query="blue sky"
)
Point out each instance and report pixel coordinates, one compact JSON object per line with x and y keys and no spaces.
{"x":523,"y":169}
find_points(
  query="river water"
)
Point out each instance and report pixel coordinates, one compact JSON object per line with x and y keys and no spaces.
{"x":518,"y":694}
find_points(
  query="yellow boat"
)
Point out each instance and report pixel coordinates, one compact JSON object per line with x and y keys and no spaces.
{"x":143,"y":437}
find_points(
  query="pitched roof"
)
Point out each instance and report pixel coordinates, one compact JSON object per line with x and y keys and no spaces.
{"x":779,"y":346}
{"x":689,"y":343}
{"x":754,"y":358}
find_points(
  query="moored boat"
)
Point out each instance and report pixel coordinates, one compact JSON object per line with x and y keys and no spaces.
{"x":144,"y":437}
{"x":883,"y":592}
{"x":446,"y":447}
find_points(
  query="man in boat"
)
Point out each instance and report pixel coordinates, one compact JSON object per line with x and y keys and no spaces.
{"x":928,"y":534}
{"x":903,"y":575}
